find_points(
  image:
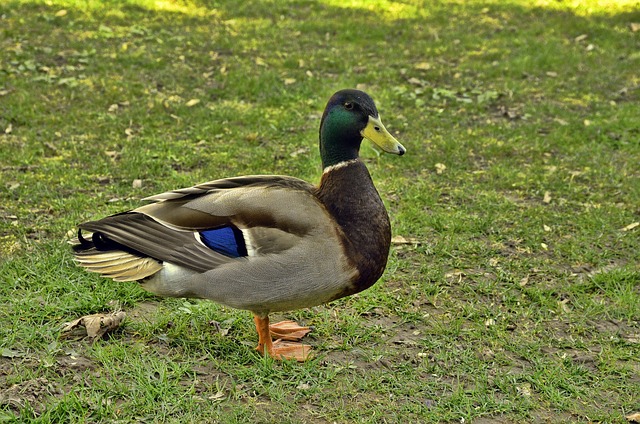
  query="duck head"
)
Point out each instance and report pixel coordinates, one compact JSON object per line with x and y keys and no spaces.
{"x":350,"y":117}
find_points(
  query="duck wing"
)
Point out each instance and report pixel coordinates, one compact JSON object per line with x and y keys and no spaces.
{"x":205,"y":226}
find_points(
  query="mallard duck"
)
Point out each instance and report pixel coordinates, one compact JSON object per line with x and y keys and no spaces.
{"x":262,"y":243}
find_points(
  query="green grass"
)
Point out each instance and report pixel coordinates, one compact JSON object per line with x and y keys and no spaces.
{"x":519,"y":304}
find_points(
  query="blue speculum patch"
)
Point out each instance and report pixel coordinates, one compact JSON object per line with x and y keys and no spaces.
{"x":225,"y":240}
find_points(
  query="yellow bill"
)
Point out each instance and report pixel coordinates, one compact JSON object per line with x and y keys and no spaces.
{"x":378,"y":135}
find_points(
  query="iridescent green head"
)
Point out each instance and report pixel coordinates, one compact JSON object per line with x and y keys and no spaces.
{"x":350,"y":116}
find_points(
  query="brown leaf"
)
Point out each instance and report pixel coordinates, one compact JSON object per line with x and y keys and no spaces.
{"x":633,"y":338}
{"x":561,"y":121}
{"x":96,"y":325}
{"x":218,"y":397}
{"x":300,"y":151}
{"x":563,"y":305}
{"x":112,"y":154}
{"x":405,"y":240}
{"x":524,"y":390}
{"x":635,"y":26}
{"x":440,"y":168}
{"x":580,"y":38}
{"x":633,"y":418}
{"x":631,"y":226}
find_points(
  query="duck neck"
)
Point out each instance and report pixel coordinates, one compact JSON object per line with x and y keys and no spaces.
{"x":348,"y":193}
{"x":333,"y":154}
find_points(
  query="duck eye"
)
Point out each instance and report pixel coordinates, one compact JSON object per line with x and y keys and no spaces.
{"x":348,"y":105}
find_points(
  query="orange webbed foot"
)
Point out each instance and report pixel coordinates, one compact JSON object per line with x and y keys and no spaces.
{"x":282,"y":348}
{"x":288,"y":330}
{"x":286,"y":350}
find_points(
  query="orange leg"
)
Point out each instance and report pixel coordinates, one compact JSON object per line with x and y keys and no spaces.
{"x":279,"y":349}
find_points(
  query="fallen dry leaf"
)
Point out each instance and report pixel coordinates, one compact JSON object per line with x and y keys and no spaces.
{"x":547,"y":197}
{"x":218,"y":397}
{"x":192,"y":102}
{"x":289,"y":81}
{"x":112,"y":154}
{"x":631,"y":226}
{"x":440,"y":168}
{"x":581,"y":37}
{"x":524,"y":390}
{"x":633,"y":338}
{"x":137,"y":183}
{"x":96,"y":325}
{"x":300,"y":151}
{"x":633,"y":418}
{"x":563,"y":305}
{"x":635,"y":26}
{"x":117,"y":106}
{"x":405,"y":240}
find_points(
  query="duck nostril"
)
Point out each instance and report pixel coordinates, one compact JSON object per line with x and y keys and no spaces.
{"x":377,"y":128}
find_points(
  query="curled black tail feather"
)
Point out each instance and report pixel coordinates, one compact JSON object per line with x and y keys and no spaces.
{"x":84,"y":243}
{"x":100,"y":241}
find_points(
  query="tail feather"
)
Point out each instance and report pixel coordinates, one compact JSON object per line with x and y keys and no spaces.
{"x":118,"y":265}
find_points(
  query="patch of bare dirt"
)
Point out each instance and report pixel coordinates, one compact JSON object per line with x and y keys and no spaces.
{"x":144,"y":311}
{"x":32,"y":393}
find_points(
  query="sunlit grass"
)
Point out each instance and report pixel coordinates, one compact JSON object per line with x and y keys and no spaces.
{"x":391,"y":10}
{"x":587,"y":7}
{"x":114,"y":8}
